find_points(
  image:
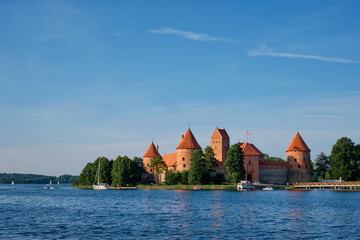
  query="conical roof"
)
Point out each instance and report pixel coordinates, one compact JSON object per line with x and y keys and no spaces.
{"x":189,"y":141}
{"x":152,"y":152}
{"x":298,"y":144}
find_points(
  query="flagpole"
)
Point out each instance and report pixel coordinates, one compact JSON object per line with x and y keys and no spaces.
{"x":247,"y":136}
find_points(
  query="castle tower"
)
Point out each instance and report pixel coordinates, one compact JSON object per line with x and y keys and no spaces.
{"x":150,"y":154}
{"x":252,"y":158}
{"x":220,"y":143}
{"x":183,"y":155}
{"x":299,"y":161}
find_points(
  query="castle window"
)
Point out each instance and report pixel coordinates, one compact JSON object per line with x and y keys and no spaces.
{"x":183,"y":159}
{"x":215,"y":148}
{"x":249,"y":162}
{"x":184,"y":165}
{"x":298,"y":166}
{"x":290,"y":166}
{"x":305,"y":166}
{"x":295,"y":159}
{"x":215,"y":154}
{"x":147,"y":164}
{"x":150,"y":170}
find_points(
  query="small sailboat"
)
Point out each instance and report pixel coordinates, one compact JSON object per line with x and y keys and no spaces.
{"x":58,"y":183}
{"x":12,"y":183}
{"x":268,"y":188}
{"x":98,"y":185}
{"x":50,"y":183}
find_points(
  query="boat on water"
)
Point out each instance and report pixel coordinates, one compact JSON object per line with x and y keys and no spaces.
{"x":268,"y":188}
{"x":12,"y":183}
{"x":245,"y":185}
{"x":98,"y":185}
{"x":197,"y":188}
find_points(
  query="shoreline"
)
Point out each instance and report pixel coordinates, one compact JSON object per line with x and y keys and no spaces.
{"x":229,"y":187}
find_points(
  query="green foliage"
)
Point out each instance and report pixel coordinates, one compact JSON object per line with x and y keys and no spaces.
{"x":202,"y":164}
{"x":218,"y":178}
{"x":172,"y":178}
{"x":184,"y":177}
{"x":126,"y":172}
{"x":273,"y":159}
{"x":159,"y":167}
{"x":210,"y":160}
{"x":66,"y":178}
{"x":345,"y":160}
{"x":87,"y":175}
{"x":234,"y":164}
{"x":198,"y":173}
{"x":322,"y":164}
{"x":20,"y":178}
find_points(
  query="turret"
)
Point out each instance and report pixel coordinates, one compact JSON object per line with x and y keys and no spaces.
{"x":187,"y":145}
{"x":150,"y":154}
{"x":298,"y":158}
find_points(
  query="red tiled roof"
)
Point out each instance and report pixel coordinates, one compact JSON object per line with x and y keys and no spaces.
{"x":152,"y":152}
{"x":189,"y":141}
{"x":250,"y":149}
{"x":298,"y":144}
{"x":170,"y":159}
{"x":223,"y":133}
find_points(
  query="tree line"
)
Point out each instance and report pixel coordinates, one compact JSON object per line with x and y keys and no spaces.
{"x":20,"y":178}
{"x":122,"y":171}
{"x":344,"y":162}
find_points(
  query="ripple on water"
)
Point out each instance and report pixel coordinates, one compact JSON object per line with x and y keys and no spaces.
{"x":30,"y":212}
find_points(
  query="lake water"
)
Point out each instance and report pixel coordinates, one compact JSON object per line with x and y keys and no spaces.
{"x":31,"y":212}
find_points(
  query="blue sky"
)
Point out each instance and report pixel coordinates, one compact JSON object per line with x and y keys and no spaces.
{"x":82,"y":79}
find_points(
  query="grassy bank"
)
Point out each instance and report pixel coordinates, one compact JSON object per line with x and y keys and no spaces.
{"x":188,"y":187}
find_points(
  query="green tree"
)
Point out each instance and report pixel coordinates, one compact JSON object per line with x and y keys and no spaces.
{"x":272,"y":159}
{"x":198,"y":173}
{"x":121,"y":171}
{"x":218,"y":178}
{"x":105,"y":169}
{"x":345,"y":160}
{"x":184,"y":177}
{"x":159,"y":167}
{"x":210,"y":160}
{"x":87,"y":175}
{"x":172,"y":178}
{"x":322,"y":164}
{"x":234,"y":164}
{"x":137,"y":170}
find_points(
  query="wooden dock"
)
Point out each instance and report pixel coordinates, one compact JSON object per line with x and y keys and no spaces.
{"x":329,"y":185}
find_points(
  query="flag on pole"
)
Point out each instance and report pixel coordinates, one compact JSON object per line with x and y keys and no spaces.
{"x":248,"y":133}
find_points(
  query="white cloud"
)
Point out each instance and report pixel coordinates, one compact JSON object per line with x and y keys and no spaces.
{"x":190,"y":35}
{"x":263,"y":50}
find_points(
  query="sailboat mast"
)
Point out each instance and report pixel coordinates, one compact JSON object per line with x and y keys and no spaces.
{"x":98,"y":180}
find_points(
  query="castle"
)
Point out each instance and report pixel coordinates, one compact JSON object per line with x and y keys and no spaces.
{"x":296,"y":168}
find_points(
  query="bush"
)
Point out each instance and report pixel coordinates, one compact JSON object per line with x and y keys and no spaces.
{"x":184,"y":175}
{"x":218,"y":178}
{"x":172,"y":178}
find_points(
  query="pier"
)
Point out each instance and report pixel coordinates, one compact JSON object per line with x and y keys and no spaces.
{"x":353,"y":185}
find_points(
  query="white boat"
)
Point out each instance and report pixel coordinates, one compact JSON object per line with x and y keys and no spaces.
{"x":12,"y":183}
{"x":243,"y":185}
{"x":58,"y":183}
{"x":98,"y":185}
{"x":268,"y":188}
{"x":50,"y":183}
